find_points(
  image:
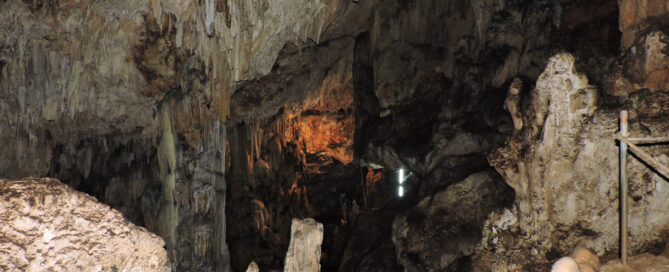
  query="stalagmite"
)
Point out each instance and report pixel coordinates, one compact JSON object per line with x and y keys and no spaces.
{"x":304,"y":251}
{"x":253,"y":267}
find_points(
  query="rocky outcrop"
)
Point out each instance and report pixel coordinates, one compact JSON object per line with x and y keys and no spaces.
{"x":636,"y":15}
{"x":46,"y":225}
{"x":563,"y":167}
{"x":646,"y":62}
{"x":304,"y":251}
{"x":446,"y":227}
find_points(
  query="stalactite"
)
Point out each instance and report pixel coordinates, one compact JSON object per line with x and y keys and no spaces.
{"x":168,"y":214}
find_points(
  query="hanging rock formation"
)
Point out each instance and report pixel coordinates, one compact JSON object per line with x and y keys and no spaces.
{"x":46,"y":225}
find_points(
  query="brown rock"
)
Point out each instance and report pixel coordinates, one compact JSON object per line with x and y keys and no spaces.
{"x":445,"y":226}
{"x":47,"y":226}
{"x":633,"y":12}
{"x":586,"y":261}
{"x":638,"y":263}
{"x":647,"y":64}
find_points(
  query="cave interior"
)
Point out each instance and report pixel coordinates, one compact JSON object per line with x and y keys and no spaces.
{"x":423,"y":135}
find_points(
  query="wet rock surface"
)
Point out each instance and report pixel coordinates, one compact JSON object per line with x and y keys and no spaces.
{"x":46,"y":225}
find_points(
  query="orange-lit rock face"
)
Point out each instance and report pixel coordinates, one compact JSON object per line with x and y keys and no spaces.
{"x":324,"y":124}
{"x":327,"y":135}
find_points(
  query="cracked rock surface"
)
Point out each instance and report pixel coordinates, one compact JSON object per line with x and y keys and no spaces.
{"x":48,"y":226}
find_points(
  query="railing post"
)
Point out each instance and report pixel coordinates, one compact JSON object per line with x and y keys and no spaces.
{"x":623,"y":188}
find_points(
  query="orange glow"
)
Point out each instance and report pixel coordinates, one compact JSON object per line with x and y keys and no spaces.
{"x":370,"y":181}
{"x":296,"y":190}
{"x":260,"y":215}
{"x":324,"y":134}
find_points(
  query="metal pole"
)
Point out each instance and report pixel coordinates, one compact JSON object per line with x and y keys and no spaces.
{"x":623,"y":188}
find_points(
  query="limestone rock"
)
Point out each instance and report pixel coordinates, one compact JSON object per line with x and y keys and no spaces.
{"x":633,"y":15}
{"x":586,"y":261}
{"x":46,"y":226}
{"x":443,"y":227}
{"x":565,"y":264}
{"x":563,"y":167}
{"x":304,"y":251}
{"x":253,"y":267}
{"x":647,"y":62}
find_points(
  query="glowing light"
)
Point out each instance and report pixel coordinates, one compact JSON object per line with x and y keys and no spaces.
{"x":400,"y":180}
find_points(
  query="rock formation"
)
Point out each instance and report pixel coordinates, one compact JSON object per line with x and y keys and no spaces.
{"x":450,"y":221}
{"x":189,"y":115}
{"x":253,"y":267}
{"x":563,"y":167}
{"x":639,"y":263}
{"x":46,"y":225}
{"x":565,"y":264}
{"x":304,"y":251}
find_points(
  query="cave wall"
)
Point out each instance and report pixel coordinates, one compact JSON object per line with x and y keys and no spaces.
{"x":424,"y":84}
{"x":563,"y":164}
{"x":128,"y":101}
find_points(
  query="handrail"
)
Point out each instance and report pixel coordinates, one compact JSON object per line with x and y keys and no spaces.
{"x":663,"y":169}
{"x":631,"y":143}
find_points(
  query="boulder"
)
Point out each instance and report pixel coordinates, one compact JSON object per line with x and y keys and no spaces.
{"x":48,"y":226}
{"x":446,"y":226}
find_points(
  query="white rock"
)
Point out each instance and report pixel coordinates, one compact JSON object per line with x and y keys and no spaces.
{"x":304,"y":250}
{"x":46,"y":225}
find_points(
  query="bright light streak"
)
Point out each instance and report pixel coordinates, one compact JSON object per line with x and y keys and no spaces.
{"x":400,"y":180}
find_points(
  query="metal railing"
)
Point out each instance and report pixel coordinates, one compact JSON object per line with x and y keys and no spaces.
{"x":631,"y":143}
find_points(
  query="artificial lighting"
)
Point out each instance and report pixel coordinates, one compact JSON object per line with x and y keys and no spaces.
{"x":400,"y":180}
